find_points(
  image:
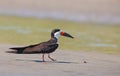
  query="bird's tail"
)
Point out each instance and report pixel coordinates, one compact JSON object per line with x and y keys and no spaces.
{"x":17,"y":50}
{"x":11,"y":51}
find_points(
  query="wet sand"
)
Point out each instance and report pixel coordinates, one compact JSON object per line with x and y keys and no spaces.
{"x":69,"y":63}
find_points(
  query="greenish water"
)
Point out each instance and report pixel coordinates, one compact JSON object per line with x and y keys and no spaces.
{"x":88,"y":36}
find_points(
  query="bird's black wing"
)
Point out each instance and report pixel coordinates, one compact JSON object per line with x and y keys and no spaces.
{"x":20,"y":50}
{"x":44,"y":47}
{"x":41,"y":48}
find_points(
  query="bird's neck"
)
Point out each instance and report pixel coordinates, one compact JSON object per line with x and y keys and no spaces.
{"x":53,"y":40}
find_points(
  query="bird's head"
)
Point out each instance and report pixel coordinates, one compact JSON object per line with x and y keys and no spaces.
{"x":57,"y":32}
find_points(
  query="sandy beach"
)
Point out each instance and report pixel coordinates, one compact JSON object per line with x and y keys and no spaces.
{"x":69,"y":63}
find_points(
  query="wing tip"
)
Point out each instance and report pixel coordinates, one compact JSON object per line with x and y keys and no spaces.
{"x":14,"y":50}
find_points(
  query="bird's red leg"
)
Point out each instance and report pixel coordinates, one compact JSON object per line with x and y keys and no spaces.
{"x":43,"y":57}
{"x":51,"y":58}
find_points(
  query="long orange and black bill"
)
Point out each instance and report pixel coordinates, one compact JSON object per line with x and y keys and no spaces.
{"x":66,"y":34}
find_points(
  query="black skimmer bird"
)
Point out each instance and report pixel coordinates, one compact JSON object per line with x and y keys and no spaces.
{"x":44,"y":47}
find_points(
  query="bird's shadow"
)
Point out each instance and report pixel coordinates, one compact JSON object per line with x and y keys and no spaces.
{"x":40,"y":61}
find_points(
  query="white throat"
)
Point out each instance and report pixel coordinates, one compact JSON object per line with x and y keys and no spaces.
{"x":57,"y":34}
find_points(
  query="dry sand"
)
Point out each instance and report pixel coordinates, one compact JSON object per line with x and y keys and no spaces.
{"x":69,"y":63}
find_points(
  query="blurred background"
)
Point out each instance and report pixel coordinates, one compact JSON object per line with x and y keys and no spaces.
{"x":105,"y":11}
{"x":95,"y":24}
